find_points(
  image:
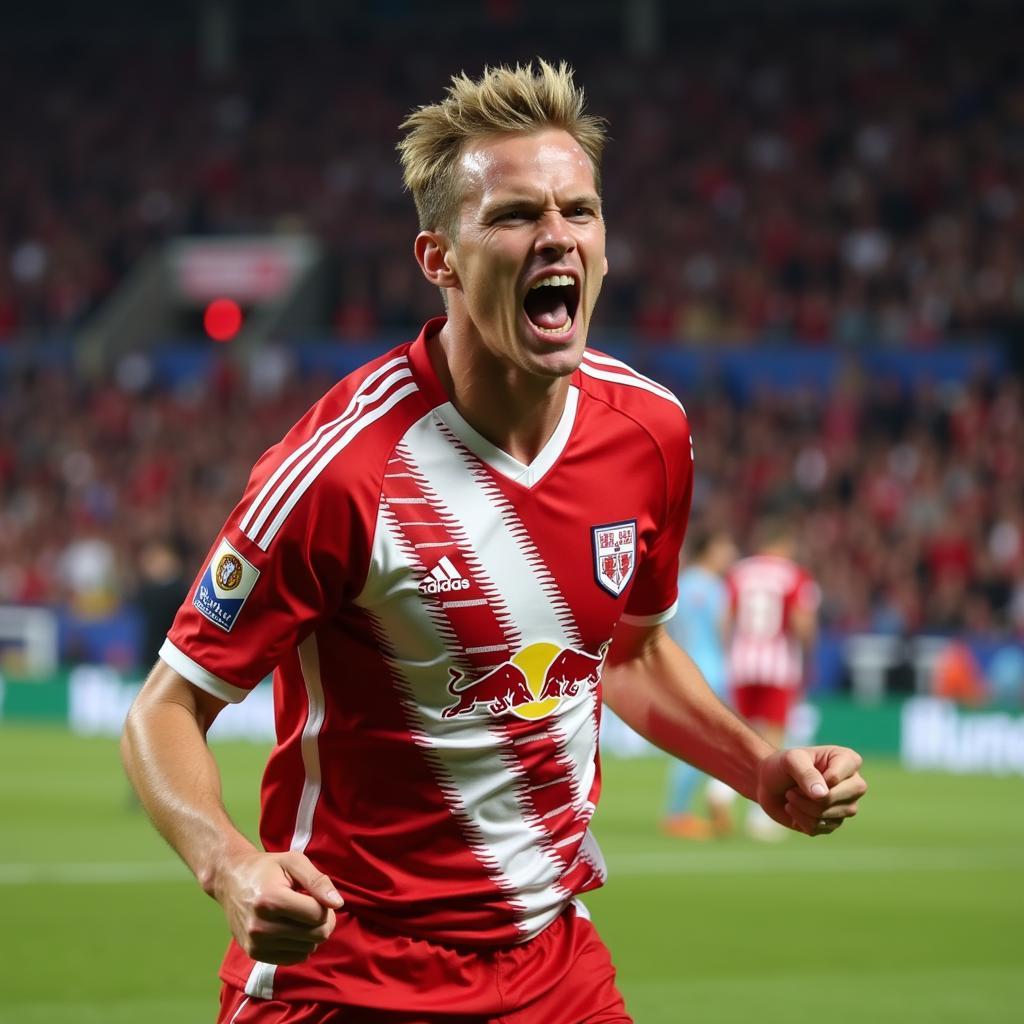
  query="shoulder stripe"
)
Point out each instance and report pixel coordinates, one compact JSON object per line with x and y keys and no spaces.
{"x":631,"y":379}
{"x":355,"y":428}
{"x":617,"y":364}
{"x":297,"y":463}
{"x":355,"y":404}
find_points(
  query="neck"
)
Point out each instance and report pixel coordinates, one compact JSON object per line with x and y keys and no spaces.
{"x":516,"y":411}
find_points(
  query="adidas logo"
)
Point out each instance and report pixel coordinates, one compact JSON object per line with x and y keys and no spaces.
{"x":443,"y":578}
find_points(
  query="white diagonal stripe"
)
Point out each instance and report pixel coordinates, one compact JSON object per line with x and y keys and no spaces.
{"x":533,"y":737}
{"x":558,"y":810}
{"x":576,"y":729}
{"x":470,"y":755}
{"x":569,"y":840}
{"x":505,"y":558}
{"x":554,"y":782}
{"x":511,"y":560}
{"x":473,"y":506}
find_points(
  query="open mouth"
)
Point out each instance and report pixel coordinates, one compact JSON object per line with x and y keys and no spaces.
{"x":551,"y":304}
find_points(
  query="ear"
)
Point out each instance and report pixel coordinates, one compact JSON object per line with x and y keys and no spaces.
{"x":604,"y":272}
{"x":434,"y":255}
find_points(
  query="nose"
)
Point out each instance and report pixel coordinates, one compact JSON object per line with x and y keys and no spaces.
{"x":553,"y":235}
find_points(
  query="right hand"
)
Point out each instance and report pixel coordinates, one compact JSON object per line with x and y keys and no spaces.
{"x":279,"y":906}
{"x":811,"y":789}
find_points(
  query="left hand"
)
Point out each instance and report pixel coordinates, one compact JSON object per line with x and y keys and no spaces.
{"x":811,"y":789}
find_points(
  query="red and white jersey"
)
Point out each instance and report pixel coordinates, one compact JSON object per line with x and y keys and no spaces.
{"x":764,"y":590}
{"x":436,"y":615}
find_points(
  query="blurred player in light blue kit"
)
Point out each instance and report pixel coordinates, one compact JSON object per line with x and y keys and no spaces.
{"x":699,"y":628}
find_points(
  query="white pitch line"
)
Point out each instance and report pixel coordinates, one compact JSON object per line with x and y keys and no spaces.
{"x":761,"y":860}
{"x":753,"y":860}
{"x":98,"y":873}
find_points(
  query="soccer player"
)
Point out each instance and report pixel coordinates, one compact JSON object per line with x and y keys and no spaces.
{"x":699,"y":628}
{"x":773,"y":615}
{"x":445,"y":564}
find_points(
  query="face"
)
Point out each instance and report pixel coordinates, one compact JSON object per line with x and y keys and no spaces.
{"x":529,"y":259}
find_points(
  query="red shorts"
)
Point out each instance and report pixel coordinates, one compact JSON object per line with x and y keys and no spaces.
{"x":758,"y":703}
{"x":570,"y":951}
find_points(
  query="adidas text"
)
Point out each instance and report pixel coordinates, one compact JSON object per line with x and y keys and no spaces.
{"x":432,"y":586}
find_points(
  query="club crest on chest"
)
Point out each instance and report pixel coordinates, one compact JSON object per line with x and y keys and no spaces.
{"x":614,"y":550}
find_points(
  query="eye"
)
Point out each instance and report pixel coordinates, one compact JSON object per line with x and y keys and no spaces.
{"x":582,"y":212}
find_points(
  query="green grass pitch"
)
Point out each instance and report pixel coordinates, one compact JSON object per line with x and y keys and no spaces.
{"x":912,"y":913}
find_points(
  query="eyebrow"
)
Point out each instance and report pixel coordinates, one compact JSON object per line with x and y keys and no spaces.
{"x":511,"y":202}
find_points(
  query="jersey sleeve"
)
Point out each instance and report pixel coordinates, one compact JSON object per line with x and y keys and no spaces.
{"x":275,"y":571}
{"x":653,"y":599}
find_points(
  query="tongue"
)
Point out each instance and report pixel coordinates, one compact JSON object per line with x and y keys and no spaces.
{"x":547,"y":310}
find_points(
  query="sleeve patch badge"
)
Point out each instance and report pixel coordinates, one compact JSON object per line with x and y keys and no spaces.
{"x":225,"y":586}
{"x":614,"y":555}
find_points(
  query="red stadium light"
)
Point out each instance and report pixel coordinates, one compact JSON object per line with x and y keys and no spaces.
{"x":222,"y":319}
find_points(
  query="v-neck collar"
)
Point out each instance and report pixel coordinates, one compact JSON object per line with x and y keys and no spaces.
{"x":490,"y":454}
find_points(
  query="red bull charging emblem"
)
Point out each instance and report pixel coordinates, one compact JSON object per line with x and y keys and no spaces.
{"x":531,"y":684}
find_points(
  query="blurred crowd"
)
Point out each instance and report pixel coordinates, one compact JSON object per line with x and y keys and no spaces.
{"x":792,"y":178}
{"x":817,"y":182}
{"x":908,"y":505}
{"x":94,"y":477}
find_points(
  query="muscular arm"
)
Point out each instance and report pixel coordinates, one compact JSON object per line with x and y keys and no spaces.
{"x":656,"y":689}
{"x":168,"y":762}
{"x":277,"y":905}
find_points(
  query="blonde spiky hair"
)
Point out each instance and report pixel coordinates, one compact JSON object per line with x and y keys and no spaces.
{"x":503,"y":101}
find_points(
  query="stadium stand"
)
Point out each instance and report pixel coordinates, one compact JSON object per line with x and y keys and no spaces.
{"x":848,"y":193}
{"x":849,"y":189}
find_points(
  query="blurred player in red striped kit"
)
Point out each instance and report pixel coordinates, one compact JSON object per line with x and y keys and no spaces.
{"x":772,"y":624}
{"x":447,"y":564}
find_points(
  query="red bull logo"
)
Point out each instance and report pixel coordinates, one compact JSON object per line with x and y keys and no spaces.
{"x":531,"y":684}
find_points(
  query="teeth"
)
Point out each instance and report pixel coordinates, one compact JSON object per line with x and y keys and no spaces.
{"x":564,"y":329}
{"x":554,"y":281}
